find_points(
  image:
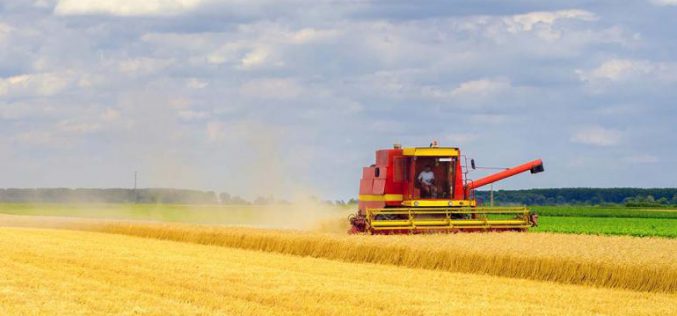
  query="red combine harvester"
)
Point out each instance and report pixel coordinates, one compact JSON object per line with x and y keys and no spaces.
{"x":424,"y":189}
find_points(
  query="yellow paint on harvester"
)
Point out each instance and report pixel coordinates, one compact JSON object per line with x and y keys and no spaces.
{"x":439,"y":203}
{"x":380,"y":198}
{"x":431,"y":151}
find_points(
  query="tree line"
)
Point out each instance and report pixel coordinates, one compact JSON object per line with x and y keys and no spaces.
{"x":633,"y":197}
{"x":65,"y":195}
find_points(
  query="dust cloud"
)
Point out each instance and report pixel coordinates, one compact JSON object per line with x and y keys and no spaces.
{"x":246,"y":158}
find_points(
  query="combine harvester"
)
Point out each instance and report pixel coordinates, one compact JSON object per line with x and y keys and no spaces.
{"x":398,"y":196}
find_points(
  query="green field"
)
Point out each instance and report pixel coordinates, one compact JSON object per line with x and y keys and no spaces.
{"x":641,"y":227}
{"x":264,"y":216}
{"x":605,"y":211}
{"x":198,"y":214}
{"x":562,"y":219}
{"x":642,"y":222}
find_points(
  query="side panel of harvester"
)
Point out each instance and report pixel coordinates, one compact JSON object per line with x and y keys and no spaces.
{"x":378,"y":188}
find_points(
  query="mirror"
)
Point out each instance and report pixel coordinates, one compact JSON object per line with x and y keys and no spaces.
{"x":472,"y":163}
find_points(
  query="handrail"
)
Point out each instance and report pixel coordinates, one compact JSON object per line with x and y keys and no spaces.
{"x":455,"y":210}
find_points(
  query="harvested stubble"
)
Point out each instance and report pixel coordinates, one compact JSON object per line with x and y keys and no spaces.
{"x":57,"y":272}
{"x":645,"y":264}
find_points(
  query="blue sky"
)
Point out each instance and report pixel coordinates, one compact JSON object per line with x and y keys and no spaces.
{"x":279,"y":97}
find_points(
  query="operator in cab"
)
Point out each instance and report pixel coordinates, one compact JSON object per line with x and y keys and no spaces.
{"x":426,"y":179}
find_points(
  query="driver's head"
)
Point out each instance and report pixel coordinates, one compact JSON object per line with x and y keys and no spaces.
{"x":428,"y":168}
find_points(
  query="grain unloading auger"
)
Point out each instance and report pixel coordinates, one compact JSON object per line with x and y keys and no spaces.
{"x":422,"y":189}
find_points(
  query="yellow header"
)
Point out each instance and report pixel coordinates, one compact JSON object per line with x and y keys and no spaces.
{"x":431,"y":151}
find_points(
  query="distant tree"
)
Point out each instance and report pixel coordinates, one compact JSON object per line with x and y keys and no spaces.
{"x":236,"y":200}
{"x":224,"y":198}
{"x":263,"y":200}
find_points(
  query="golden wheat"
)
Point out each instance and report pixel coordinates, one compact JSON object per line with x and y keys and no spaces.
{"x":68,"y":272}
{"x":646,"y":264}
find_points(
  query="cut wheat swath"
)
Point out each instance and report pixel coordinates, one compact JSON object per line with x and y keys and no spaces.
{"x":617,"y":262}
{"x":646,"y":264}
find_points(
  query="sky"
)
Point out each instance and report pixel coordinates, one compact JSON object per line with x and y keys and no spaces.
{"x":276,"y":97}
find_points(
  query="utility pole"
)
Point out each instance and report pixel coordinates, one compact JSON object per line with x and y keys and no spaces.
{"x":136,"y":195}
{"x":491,"y":195}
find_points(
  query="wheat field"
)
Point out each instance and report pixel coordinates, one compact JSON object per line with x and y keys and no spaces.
{"x":48,"y":272}
{"x":644,"y":264}
{"x":617,"y":262}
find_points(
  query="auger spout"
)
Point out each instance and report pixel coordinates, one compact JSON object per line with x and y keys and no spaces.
{"x":535,"y":166}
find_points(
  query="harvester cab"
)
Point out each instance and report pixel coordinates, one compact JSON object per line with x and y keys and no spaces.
{"x":424,"y":189}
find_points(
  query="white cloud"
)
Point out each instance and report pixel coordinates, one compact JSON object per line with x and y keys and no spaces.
{"x":195,"y":83}
{"x":249,"y":46}
{"x":527,"y":32}
{"x":542,"y":22}
{"x":664,"y":2}
{"x":227,"y":52}
{"x":43,"y":3}
{"x":110,"y":115}
{"x":272,"y":88}
{"x":597,"y":136}
{"x":262,"y":44}
{"x":255,"y":58}
{"x":621,"y":70}
{"x":308,"y":35}
{"x":216,"y":131}
{"x":481,"y":87}
{"x":527,"y":22}
{"x":473,"y":88}
{"x":29,"y":109}
{"x":189,"y":115}
{"x":41,"y":138}
{"x":126,"y":7}
{"x":617,"y":69}
{"x":180,"y":103}
{"x":235,"y":132}
{"x":34,"y":138}
{"x":4,"y":31}
{"x":78,"y":127}
{"x":142,"y":66}
{"x":42,"y":84}
{"x":413,"y":84}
